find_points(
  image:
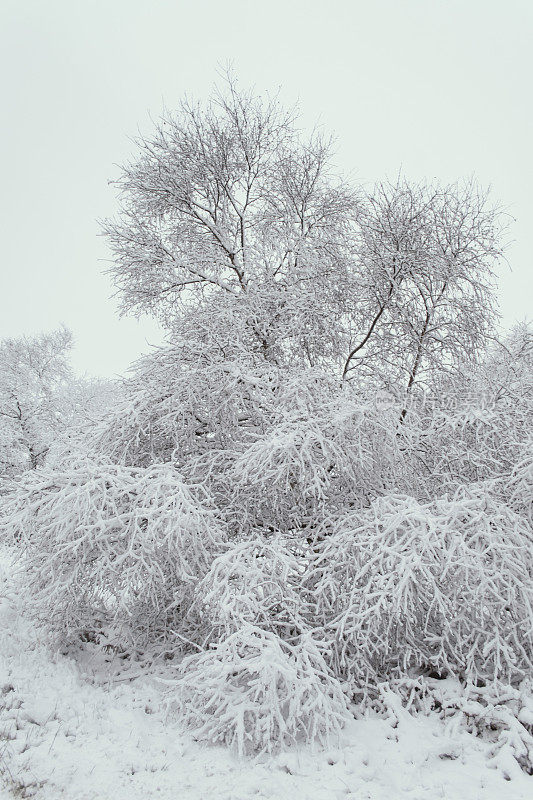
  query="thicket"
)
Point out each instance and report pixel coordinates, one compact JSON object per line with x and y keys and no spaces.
{"x":324,"y":480}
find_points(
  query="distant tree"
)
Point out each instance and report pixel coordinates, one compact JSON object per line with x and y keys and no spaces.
{"x":33,"y":370}
{"x":45,"y":410}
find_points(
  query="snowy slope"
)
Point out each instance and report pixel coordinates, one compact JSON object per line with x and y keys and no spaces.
{"x":68,"y":732}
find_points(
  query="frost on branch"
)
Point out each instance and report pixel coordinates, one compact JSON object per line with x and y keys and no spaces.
{"x":517,"y":489}
{"x":330,"y":453}
{"x":257,"y":693}
{"x":109,"y":542}
{"x":446,"y":585}
{"x":254,"y":582}
{"x":477,"y":425}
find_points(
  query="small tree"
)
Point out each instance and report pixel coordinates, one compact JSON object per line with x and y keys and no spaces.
{"x":426,"y":254}
{"x":33,"y":371}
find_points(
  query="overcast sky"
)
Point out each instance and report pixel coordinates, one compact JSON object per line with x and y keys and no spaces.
{"x":437,"y":88}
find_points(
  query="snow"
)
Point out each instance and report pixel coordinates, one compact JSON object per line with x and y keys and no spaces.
{"x":76,"y":729}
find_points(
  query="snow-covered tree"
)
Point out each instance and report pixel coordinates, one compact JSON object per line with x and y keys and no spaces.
{"x":33,"y":371}
{"x":228,"y":210}
{"x":227,"y":215}
{"x":426,"y":285}
{"x":44,"y":407}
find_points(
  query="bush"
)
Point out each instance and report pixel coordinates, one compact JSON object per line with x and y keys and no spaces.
{"x":446,"y":585}
{"x":256,"y":582}
{"x":500,"y":714}
{"x":256,"y":693}
{"x":517,"y":489}
{"x":104,"y":541}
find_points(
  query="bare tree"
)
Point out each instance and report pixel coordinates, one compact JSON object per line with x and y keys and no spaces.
{"x":226,"y":207}
{"x":32,"y":371}
{"x":226,"y":202}
{"x":426,"y":256}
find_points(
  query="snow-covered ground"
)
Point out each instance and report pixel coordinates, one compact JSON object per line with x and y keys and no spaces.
{"x":74,"y":729}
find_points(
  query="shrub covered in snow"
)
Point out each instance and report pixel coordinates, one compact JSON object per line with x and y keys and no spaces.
{"x":257,"y":582}
{"x":517,"y":488}
{"x":499,"y":714}
{"x":477,"y":426}
{"x":447,"y":585}
{"x":104,"y":541}
{"x":255,"y":692}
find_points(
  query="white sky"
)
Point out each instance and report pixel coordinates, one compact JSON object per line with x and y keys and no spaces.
{"x":439,"y":89}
